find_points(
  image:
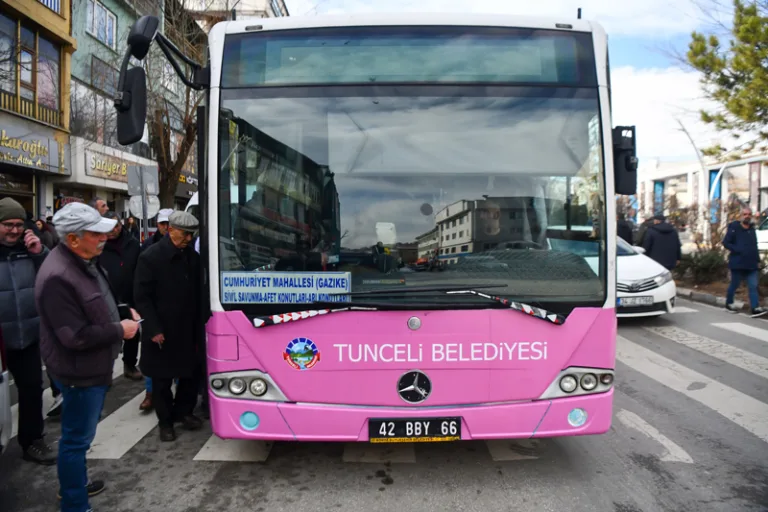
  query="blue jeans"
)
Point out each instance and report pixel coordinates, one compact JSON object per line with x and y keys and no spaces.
{"x":79,"y":418}
{"x":737,"y":276}
{"x":148,"y":384}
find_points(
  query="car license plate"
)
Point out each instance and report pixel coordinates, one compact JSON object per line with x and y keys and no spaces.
{"x":416,"y":430}
{"x":635,"y":301}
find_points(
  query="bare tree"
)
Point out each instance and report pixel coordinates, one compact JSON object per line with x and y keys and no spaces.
{"x":171,"y":106}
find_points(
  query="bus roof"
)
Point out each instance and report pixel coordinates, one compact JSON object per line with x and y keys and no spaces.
{"x":406,"y":19}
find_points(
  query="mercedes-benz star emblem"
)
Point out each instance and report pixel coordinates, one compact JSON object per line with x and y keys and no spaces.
{"x":414,"y":387}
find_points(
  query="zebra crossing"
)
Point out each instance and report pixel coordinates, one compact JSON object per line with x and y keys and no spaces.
{"x":661,"y":350}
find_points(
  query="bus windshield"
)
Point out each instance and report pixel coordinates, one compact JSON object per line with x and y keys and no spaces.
{"x":445,"y":177}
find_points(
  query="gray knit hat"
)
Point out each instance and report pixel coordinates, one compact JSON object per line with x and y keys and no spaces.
{"x":11,"y":209}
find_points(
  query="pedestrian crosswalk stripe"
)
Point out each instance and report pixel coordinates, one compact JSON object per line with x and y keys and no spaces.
{"x":717,"y":349}
{"x":379,"y":453}
{"x":234,"y":450}
{"x":672,"y":453}
{"x":745,"y":411}
{"x":513,"y":449}
{"x":120,"y":431}
{"x":746,"y":330}
{"x":683,"y":309}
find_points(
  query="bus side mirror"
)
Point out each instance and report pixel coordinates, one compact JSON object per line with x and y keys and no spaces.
{"x":131,"y":100}
{"x":142,"y":34}
{"x":131,"y":104}
{"x":625,"y":160}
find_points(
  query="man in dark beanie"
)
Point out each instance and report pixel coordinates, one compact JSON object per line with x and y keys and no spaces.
{"x":21,"y":254}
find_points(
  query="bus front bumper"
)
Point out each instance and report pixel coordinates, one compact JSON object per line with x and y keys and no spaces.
{"x":279,"y":421}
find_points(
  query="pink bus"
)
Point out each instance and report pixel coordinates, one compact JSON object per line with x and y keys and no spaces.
{"x":340,"y":151}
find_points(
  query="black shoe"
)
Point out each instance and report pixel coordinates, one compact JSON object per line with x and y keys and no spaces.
{"x":191,"y":422}
{"x":130,"y":372}
{"x":731,"y":308}
{"x":758,"y":312}
{"x":41,"y":453}
{"x":94,"y":487}
{"x":167,"y":434}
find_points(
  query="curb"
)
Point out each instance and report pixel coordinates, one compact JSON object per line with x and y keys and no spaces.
{"x":707,"y":298}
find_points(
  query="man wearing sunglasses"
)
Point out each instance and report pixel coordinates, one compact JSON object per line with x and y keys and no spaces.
{"x":21,"y":254}
{"x":167,"y":295}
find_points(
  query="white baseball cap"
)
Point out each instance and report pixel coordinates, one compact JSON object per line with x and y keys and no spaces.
{"x":76,"y":217}
{"x":164,"y":215}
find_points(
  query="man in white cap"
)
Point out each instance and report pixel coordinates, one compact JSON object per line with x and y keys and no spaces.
{"x":81,"y":333}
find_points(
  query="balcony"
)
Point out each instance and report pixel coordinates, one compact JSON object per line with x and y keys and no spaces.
{"x":54,"y":5}
{"x":10,"y":102}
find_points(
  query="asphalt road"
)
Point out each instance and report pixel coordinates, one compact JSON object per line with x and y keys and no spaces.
{"x":690,"y":434}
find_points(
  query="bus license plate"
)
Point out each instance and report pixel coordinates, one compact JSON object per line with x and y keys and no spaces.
{"x":424,"y":430}
{"x":635,"y":301}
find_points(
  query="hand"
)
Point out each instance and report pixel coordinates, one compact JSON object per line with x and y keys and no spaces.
{"x":136,"y":316}
{"x":159,"y":339}
{"x":32,"y":242}
{"x":130,"y":328}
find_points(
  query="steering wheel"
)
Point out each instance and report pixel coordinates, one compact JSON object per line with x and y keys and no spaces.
{"x":525,"y":244}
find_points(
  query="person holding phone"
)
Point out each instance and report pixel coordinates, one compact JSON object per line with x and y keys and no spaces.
{"x":81,"y":333}
{"x":21,"y":255}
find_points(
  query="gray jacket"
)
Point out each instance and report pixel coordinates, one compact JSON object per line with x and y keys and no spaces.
{"x":19,"y":319}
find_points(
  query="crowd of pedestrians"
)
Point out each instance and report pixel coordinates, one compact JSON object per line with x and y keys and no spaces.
{"x":77,"y":298}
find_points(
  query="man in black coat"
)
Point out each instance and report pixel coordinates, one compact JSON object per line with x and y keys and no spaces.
{"x":119,"y":259}
{"x":167,"y":295}
{"x":662,"y":243}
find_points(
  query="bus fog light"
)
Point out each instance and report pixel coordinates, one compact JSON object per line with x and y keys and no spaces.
{"x":237,"y":386}
{"x":249,"y":420}
{"x":606,"y":379}
{"x":577,"y":417}
{"x":568,"y":384}
{"x":589,"y":382}
{"x":258,"y":387}
{"x":217,"y":383}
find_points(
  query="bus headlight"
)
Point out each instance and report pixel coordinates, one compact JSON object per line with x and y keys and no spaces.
{"x":258,"y":387}
{"x":606,"y":379}
{"x":237,"y":386}
{"x":589,"y":382}
{"x":568,"y":384}
{"x":217,"y":383}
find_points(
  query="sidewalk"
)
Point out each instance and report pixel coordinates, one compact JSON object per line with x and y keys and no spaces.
{"x":707,"y":298}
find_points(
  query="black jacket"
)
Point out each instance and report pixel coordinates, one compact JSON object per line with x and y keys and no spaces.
{"x":624,"y":230}
{"x":156,"y":237}
{"x":167,"y":296}
{"x":119,"y":258}
{"x":662,"y":244}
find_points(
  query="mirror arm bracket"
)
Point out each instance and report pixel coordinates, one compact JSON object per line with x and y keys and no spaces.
{"x":167,"y":47}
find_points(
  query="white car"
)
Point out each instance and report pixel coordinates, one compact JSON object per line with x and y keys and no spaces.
{"x":643,"y":287}
{"x":6,"y":420}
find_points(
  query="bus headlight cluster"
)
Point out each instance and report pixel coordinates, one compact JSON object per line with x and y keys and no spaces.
{"x":253,"y":385}
{"x":577,"y":381}
{"x":588,"y":382}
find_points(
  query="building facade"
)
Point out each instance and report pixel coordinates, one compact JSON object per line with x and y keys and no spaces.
{"x":209,"y":12}
{"x":99,"y":165}
{"x":37,"y":47}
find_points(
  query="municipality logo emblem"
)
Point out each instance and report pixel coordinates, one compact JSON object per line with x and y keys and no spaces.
{"x":301,"y":354}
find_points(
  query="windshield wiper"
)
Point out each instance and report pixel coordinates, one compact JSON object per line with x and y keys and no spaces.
{"x":448,"y":288}
{"x":282,"y":318}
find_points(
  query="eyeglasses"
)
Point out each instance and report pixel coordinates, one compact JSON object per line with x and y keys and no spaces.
{"x":19,"y":226}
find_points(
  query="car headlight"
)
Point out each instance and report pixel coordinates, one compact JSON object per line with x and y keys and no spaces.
{"x":663,"y":278}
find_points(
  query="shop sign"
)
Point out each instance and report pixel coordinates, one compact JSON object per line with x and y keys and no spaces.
{"x":20,"y":147}
{"x":107,"y":167}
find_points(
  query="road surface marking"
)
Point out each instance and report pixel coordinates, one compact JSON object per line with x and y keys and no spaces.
{"x":512,"y":449}
{"x":673,"y":453}
{"x":746,"y":330}
{"x":745,"y":411}
{"x":234,"y":450}
{"x":121,"y":430}
{"x":378,"y":453}
{"x":117,"y":370}
{"x":722,"y":351}
{"x":683,"y":309}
